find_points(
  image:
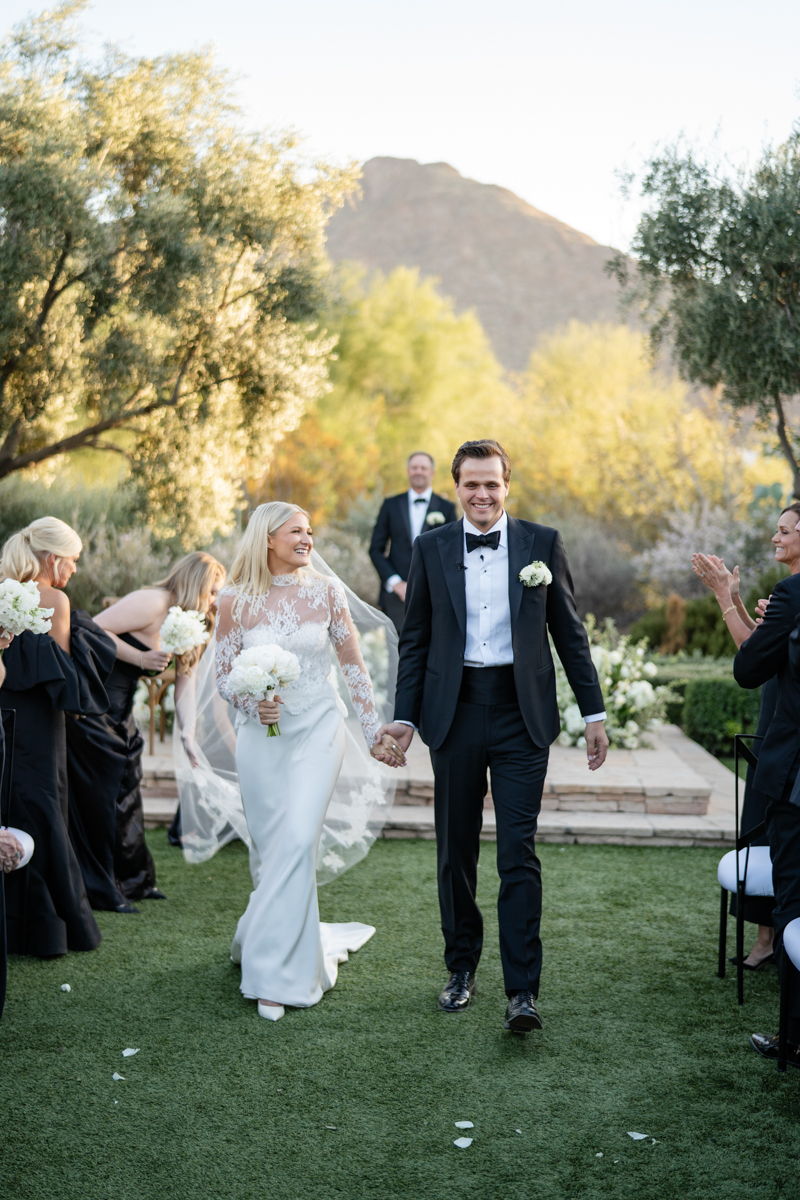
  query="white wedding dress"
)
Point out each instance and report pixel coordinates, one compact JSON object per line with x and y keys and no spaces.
{"x":287,"y":782}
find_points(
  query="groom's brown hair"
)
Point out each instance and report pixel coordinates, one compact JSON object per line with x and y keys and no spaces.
{"x":485,"y":448}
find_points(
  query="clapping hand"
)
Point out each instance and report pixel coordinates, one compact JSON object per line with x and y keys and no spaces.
{"x":712,"y":572}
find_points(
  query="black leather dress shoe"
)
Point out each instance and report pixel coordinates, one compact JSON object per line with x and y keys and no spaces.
{"x":458,"y":992}
{"x":767,"y":1047}
{"x":152,"y":893}
{"x":522,"y":1013}
{"x":126,"y":908}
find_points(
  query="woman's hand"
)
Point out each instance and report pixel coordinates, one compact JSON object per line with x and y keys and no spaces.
{"x":761,"y":609}
{"x":5,"y":639}
{"x":190,"y":748}
{"x":715,"y":575}
{"x":10,"y":850}
{"x":269,"y":712}
{"x":388,"y":750}
{"x":154,"y":660}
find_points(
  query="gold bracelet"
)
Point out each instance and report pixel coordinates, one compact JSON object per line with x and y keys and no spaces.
{"x":727,"y":610}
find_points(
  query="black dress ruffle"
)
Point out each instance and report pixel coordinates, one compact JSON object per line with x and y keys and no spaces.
{"x":43,"y":683}
{"x":105,"y":752}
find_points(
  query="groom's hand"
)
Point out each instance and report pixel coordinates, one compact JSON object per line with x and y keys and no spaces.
{"x":399,"y":735}
{"x":596,"y":744}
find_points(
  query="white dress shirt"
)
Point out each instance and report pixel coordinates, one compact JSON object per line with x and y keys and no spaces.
{"x":416,"y":515}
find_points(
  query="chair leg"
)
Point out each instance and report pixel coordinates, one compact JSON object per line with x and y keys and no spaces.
{"x":723,"y":932}
{"x":740,"y":944}
{"x":783,"y":1026}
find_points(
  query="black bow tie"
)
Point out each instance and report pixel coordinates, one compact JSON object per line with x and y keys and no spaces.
{"x":420,"y":500}
{"x":482,"y":539}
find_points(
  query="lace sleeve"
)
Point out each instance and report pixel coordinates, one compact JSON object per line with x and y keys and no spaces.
{"x":342,"y":633}
{"x":228,"y":645}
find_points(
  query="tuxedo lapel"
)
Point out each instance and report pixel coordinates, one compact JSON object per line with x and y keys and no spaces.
{"x":402,"y":504}
{"x":451,"y":552}
{"x":520,"y":547}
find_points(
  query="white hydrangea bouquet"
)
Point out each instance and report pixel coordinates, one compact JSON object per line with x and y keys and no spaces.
{"x":183,"y":629}
{"x":257,"y":672}
{"x":20,"y":609}
{"x":634,"y":706}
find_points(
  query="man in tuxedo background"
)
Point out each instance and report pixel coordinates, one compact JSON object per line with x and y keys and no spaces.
{"x":401,"y":520}
{"x":477,"y":679}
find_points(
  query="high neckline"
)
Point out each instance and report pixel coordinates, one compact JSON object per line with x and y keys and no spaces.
{"x":285,"y":580}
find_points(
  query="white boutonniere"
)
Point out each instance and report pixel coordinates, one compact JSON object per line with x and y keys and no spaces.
{"x":434,"y":518}
{"x":535,"y":575}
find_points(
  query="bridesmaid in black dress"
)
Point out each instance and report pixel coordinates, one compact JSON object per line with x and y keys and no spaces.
{"x":105,"y":750}
{"x":48,"y":675}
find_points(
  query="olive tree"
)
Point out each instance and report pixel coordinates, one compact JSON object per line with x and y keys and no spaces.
{"x":161,"y":272}
{"x":717,"y":275}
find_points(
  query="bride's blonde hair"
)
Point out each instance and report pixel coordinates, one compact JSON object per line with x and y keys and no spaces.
{"x":250,"y":573}
{"x":25,"y":552}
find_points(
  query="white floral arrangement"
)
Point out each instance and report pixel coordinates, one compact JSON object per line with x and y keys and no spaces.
{"x":20,"y":608}
{"x":536,"y":574}
{"x":141,"y":707}
{"x":183,"y":629}
{"x":257,"y":672}
{"x":434,"y":518}
{"x":634,"y":706}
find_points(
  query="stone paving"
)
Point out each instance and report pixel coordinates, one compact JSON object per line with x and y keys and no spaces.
{"x":675,"y":794}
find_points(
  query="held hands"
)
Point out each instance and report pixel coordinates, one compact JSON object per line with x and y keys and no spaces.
{"x":399,"y":589}
{"x":596,"y":744}
{"x":154,"y":660}
{"x":391,"y":743}
{"x":269,"y":712}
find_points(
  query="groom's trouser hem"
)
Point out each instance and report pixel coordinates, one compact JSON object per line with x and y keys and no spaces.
{"x":490,"y":737}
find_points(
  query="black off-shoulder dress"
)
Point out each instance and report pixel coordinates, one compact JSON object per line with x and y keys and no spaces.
{"x":42,"y":684}
{"x":105,"y":774}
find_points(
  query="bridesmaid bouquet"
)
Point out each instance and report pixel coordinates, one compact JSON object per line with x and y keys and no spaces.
{"x":183,"y":629}
{"x":19,"y":608}
{"x":257,"y":672}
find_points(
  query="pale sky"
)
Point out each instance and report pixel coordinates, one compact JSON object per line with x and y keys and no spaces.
{"x":548,"y":100}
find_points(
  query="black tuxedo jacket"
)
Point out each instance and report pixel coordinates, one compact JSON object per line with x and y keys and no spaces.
{"x":393,"y":530}
{"x":766,"y":653}
{"x":435,"y":632}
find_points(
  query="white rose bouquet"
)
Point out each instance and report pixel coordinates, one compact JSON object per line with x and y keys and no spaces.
{"x":257,"y":672}
{"x":536,"y":574}
{"x":183,"y":629}
{"x":19,"y":608}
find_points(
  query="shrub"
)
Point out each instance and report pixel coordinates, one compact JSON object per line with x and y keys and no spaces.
{"x":715,"y":710}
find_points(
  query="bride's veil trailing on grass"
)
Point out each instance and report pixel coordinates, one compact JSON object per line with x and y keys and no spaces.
{"x":211,"y":804}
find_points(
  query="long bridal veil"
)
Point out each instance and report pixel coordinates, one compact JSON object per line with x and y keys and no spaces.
{"x":210,"y":801}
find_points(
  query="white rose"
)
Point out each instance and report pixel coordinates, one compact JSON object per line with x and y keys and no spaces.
{"x":536,"y":574}
{"x":434,"y":518}
{"x":650,"y":669}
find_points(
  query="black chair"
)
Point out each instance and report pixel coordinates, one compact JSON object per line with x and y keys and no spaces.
{"x":731,"y":864}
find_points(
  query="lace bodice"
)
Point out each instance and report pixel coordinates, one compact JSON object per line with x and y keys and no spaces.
{"x":304,"y":613}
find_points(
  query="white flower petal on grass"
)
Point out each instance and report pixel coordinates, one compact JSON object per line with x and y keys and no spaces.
{"x":464,"y":1125}
{"x":519,"y":1131}
{"x":638,"y":1137}
{"x":65,"y":987}
{"x":116,"y":1075}
{"x":129,"y":1053}
{"x":600,"y":1155}
{"x":462,"y":1143}
{"x":330,"y":1127}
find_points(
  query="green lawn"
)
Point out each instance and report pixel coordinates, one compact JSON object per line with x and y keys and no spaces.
{"x":639,"y":1035}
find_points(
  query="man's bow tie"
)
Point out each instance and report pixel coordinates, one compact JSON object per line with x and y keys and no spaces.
{"x":482,"y":539}
{"x":420,"y":500}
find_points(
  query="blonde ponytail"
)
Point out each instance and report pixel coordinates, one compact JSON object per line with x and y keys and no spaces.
{"x":25,"y":552}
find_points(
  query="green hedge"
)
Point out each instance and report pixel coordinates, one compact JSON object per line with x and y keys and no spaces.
{"x":714,"y":710}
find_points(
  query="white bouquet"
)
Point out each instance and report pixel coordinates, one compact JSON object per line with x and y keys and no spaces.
{"x":434,"y":518}
{"x":257,"y":672}
{"x":19,"y":608}
{"x":183,"y":629}
{"x":536,"y":574}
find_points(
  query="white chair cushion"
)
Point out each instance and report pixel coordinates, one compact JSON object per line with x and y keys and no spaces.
{"x":791,"y":941}
{"x":759,"y":871}
{"x":26,"y":841}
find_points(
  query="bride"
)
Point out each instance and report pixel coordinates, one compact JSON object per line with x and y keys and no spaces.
{"x":287,"y":783}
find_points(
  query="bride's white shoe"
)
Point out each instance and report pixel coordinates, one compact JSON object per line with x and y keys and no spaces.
{"x":273,"y":1012}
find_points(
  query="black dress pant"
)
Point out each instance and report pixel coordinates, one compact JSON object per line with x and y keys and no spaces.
{"x":488,"y":732}
{"x":394,"y":607}
{"x":783,"y":831}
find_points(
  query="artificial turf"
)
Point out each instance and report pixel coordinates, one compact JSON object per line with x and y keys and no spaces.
{"x":358,"y":1096}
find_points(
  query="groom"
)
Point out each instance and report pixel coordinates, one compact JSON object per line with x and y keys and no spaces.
{"x":476,"y":677}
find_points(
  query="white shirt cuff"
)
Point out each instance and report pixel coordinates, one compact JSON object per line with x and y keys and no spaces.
{"x":410,"y":724}
{"x":391,"y":581}
{"x":595,"y":717}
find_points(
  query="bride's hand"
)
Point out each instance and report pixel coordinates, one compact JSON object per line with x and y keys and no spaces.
{"x":269,"y":712}
{"x":389,"y":749}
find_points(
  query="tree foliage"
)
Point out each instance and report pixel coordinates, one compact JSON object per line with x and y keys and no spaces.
{"x":161,"y":272}
{"x":718,"y":275}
